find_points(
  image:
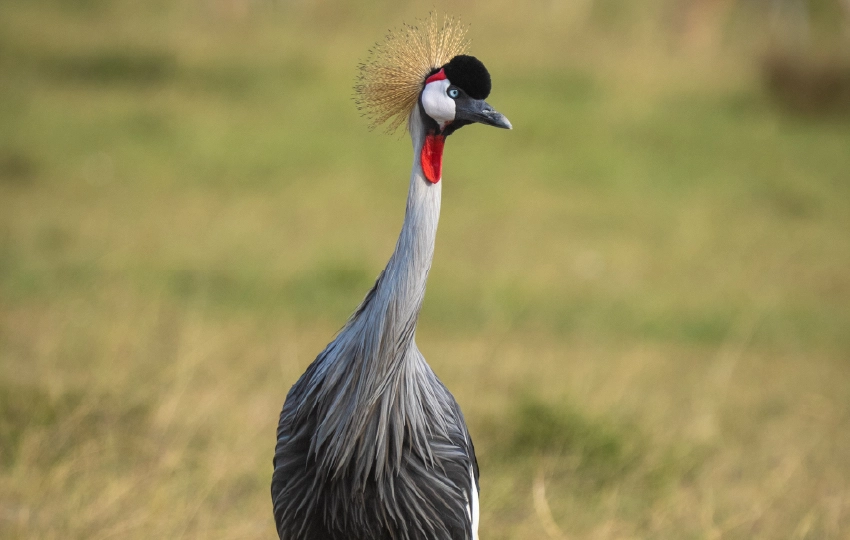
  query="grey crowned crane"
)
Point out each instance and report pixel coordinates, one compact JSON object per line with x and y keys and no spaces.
{"x":370,"y":444}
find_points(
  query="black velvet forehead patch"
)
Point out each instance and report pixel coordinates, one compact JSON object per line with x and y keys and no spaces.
{"x":468,"y":74}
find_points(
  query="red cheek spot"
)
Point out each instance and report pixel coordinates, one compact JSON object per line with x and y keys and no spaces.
{"x":439,"y":76}
{"x":431,"y":157}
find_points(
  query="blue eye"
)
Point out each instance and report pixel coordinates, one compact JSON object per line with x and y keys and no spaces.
{"x":453,"y":93}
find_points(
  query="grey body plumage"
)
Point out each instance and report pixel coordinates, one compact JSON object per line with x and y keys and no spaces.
{"x":370,"y":444}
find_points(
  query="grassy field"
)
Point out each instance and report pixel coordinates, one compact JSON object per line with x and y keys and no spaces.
{"x":640,"y":296}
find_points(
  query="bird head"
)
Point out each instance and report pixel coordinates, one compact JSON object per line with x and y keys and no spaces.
{"x":422,"y":72}
{"x":454,"y":95}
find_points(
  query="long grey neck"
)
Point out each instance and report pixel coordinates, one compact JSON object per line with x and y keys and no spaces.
{"x":401,"y":289}
{"x":407,"y":271}
{"x":371,"y":368}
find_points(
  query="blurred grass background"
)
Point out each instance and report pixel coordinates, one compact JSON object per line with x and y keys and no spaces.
{"x":640,"y":296}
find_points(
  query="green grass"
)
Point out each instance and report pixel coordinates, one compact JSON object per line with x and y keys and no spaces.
{"x":640,"y":295}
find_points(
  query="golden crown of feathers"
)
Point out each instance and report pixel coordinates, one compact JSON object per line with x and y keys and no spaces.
{"x":389,"y":82}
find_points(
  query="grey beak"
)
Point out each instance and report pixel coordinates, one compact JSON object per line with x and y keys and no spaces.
{"x":478,"y":110}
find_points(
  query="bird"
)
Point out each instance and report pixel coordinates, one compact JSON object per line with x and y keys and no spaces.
{"x":370,"y":443}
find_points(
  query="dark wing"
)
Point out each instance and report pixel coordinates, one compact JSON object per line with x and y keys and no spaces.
{"x":290,"y":481}
{"x":428,"y":494}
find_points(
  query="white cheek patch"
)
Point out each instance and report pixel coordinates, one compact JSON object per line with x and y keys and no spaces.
{"x":437,"y":104}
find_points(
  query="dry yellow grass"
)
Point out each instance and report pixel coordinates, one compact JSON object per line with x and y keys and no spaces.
{"x":640,"y":296}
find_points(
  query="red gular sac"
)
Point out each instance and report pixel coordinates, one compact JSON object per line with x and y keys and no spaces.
{"x":431,"y":157}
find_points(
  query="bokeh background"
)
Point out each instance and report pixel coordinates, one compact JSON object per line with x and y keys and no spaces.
{"x":640,"y":296}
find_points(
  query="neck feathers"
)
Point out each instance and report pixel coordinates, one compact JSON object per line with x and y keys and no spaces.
{"x":394,"y":303}
{"x":373,"y":366}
